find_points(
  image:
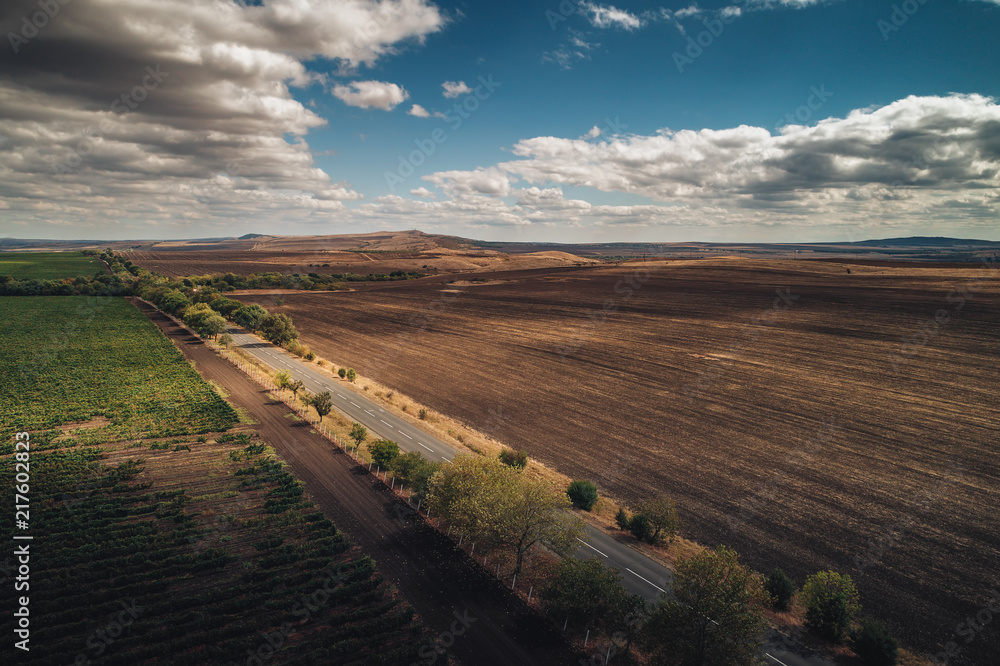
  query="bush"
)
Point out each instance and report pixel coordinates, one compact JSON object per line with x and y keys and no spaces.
{"x":781,"y":588}
{"x":517,"y":459}
{"x":622,"y":519}
{"x":423,"y":414}
{"x":831,"y":602}
{"x":583,"y":494}
{"x":383,"y":452}
{"x":640,"y":527}
{"x":351,"y":375}
{"x":342,"y":372}
{"x":873,"y":644}
{"x":310,"y":356}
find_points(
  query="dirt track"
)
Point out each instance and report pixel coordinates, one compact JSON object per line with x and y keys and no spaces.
{"x":436,"y":578}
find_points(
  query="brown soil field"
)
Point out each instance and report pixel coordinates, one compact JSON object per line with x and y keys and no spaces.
{"x":810,"y":418}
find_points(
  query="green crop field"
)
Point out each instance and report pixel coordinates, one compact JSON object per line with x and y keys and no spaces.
{"x":47,"y":265}
{"x":198,"y":549}
{"x":66,"y":359}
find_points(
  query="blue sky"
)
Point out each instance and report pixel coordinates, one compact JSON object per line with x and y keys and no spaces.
{"x":792,"y":120}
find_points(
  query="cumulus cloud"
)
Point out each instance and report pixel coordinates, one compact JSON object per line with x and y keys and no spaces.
{"x":609,"y":17}
{"x":458,"y":184}
{"x":418,"y":111}
{"x":371,"y":95}
{"x":453,"y":89}
{"x":216,"y":134}
{"x":929,"y":156}
{"x":423,"y":193}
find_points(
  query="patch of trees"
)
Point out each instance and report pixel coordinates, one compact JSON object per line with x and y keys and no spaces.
{"x":311,"y":282}
{"x":655,"y":520}
{"x":100,"y":284}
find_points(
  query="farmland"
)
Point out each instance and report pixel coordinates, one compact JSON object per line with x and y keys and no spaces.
{"x":47,"y":265}
{"x":163,"y":532}
{"x":76,"y":359}
{"x":809,"y":416}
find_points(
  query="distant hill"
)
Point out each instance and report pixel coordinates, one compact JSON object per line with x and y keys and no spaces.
{"x":927,"y":241}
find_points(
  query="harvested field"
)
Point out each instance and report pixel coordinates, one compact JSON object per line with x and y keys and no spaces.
{"x":809,"y":417}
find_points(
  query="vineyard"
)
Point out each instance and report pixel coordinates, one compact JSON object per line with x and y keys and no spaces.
{"x":161,"y":533}
{"x":69,"y":360}
{"x":47,"y":265}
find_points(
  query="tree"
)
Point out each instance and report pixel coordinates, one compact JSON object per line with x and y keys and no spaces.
{"x":250,"y":316}
{"x":662,"y":516}
{"x":383,"y":451}
{"x":583,"y":494}
{"x":716,"y":618}
{"x":283,"y":379}
{"x":225,"y":339}
{"x":586,"y":593}
{"x":342,"y":372}
{"x":831,"y":601}
{"x":872,"y":642}
{"x":295,"y":387}
{"x":358,"y":433}
{"x":640,"y":527}
{"x":173,"y":301}
{"x":517,"y":459}
{"x":213,"y":325}
{"x":414,"y":470}
{"x":781,"y":588}
{"x":351,"y":375}
{"x":322,"y":403}
{"x":491,"y":503}
{"x":622,"y":519}
{"x":278,"y":328}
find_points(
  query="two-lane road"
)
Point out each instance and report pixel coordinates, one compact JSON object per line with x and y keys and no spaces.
{"x":641,"y":575}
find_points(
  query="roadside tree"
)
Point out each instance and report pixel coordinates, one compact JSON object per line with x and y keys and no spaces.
{"x":717,"y":617}
{"x":383,"y":452}
{"x":832,"y":601}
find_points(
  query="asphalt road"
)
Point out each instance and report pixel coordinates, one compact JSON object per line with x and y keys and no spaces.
{"x":641,"y":575}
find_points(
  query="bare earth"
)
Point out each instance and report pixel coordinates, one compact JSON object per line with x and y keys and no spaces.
{"x":795,"y":411}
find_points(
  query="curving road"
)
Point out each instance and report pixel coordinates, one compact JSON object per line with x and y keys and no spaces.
{"x":641,"y":575}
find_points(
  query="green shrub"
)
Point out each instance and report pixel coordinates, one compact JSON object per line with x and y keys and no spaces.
{"x":342,"y":372}
{"x":622,"y":519}
{"x":423,"y":414}
{"x":640,"y":527}
{"x":517,"y":459}
{"x":831,"y":602}
{"x":781,"y":588}
{"x":583,"y":494}
{"x":873,"y":644}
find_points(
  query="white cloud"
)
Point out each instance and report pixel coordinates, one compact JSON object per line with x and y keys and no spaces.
{"x":423,"y":193}
{"x":418,"y":111}
{"x":920,"y":158}
{"x":610,"y":17}
{"x":593,"y":133}
{"x":453,"y":89}
{"x":456,"y":184}
{"x":371,"y":95}
{"x":207,"y":144}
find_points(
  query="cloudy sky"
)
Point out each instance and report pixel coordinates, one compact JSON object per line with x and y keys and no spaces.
{"x":747,"y":120}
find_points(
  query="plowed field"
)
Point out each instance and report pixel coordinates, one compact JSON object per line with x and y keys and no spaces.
{"x":810,"y":417}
